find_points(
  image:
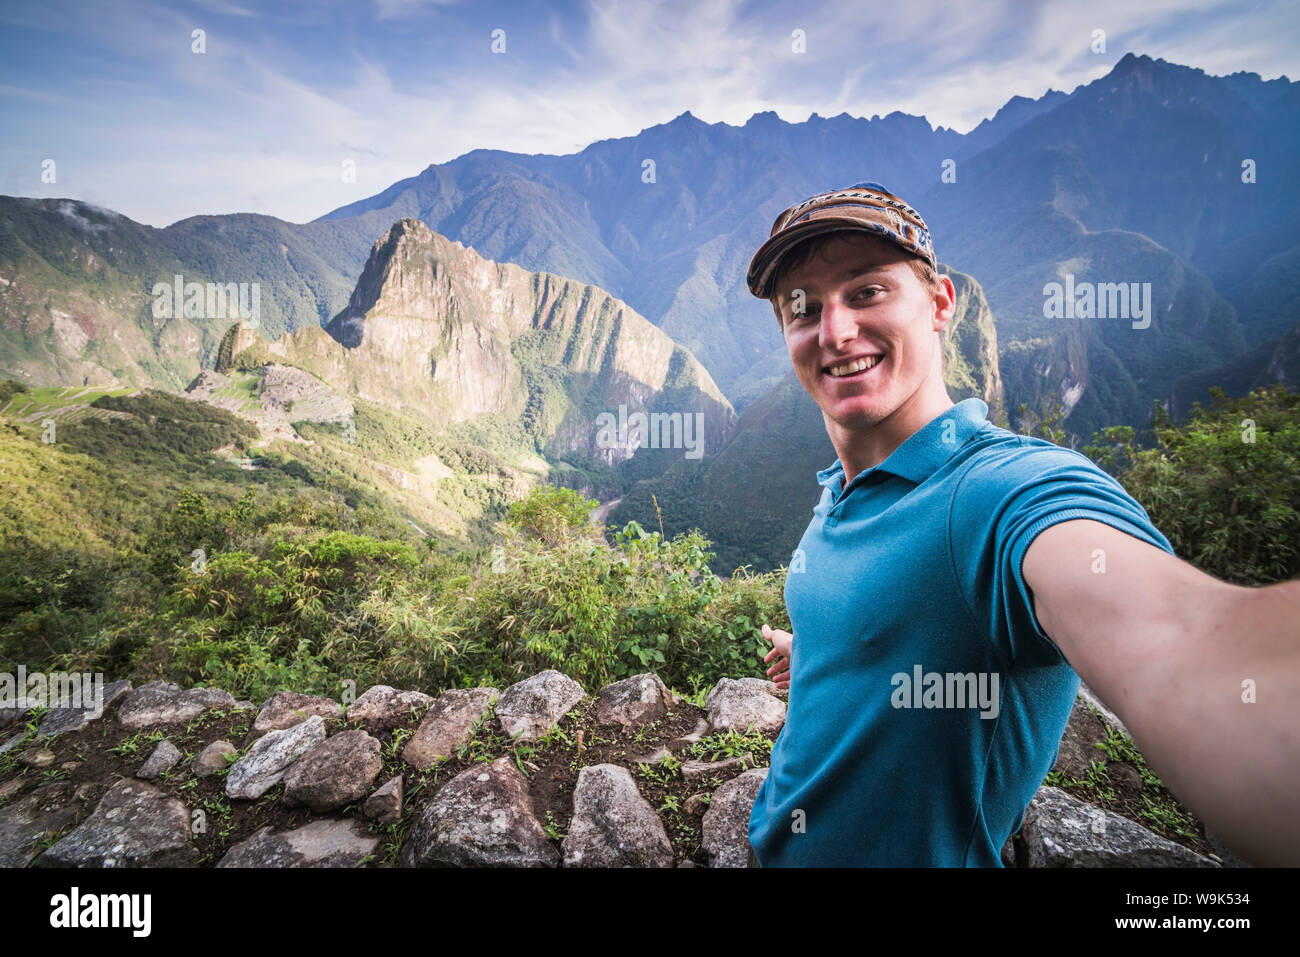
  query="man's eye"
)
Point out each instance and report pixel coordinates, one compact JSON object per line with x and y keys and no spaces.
{"x":867,"y":292}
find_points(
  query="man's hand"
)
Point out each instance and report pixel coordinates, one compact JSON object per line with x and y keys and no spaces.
{"x":781,"y":642}
{"x":1205,"y":674}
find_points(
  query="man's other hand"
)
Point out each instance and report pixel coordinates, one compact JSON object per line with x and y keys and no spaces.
{"x":781,"y":642}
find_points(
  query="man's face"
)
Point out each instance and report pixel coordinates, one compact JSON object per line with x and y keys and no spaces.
{"x":861,"y":300}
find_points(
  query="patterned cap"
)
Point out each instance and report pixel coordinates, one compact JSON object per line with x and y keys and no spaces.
{"x":863,"y":206}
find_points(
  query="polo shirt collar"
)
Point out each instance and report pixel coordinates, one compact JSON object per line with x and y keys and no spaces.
{"x":923,"y":452}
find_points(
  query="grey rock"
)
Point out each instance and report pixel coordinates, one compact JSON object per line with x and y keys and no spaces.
{"x":529,"y":709}
{"x":270,"y":756}
{"x":634,"y":701}
{"x":159,"y":702}
{"x":385,"y":805}
{"x":483,"y":817}
{"x":338,"y":771}
{"x":12,"y":787}
{"x":134,"y":825}
{"x":324,"y":843}
{"x":696,"y":771}
{"x":243,"y":704}
{"x":613,"y":825}
{"x":447,"y":725}
{"x":701,"y":729}
{"x":284,"y":709}
{"x":62,"y":719}
{"x":37,"y":758}
{"x":1008,"y":853}
{"x":213,"y":758}
{"x":13,"y":742}
{"x":743,"y":703}
{"x":1223,"y":853}
{"x":15,"y":712}
{"x":726,"y":822}
{"x":695,"y":804}
{"x":164,"y":758}
{"x":657,"y":756}
{"x":382,"y":708}
{"x":1061,"y":831}
{"x":25,"y":823}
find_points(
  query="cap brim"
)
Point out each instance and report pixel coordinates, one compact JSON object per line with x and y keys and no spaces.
{"x":762,"y":268}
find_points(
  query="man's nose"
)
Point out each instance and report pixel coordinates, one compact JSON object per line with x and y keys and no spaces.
{"x":838,"y":325}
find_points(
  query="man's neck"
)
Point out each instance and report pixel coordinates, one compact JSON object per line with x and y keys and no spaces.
{"x":859,"y":450}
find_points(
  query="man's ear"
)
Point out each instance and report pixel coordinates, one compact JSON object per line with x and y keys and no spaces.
{"x":945,"y":301}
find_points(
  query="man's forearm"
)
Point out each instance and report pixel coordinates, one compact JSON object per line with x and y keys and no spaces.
{"x":1219,"y":720}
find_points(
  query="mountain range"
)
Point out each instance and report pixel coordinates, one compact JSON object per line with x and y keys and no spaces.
{"x":526,"y":289}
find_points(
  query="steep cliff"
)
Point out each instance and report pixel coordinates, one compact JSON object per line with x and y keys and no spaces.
{"x":434,"y":329}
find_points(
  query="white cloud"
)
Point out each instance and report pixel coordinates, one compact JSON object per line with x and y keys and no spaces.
{"x":252,"y":124}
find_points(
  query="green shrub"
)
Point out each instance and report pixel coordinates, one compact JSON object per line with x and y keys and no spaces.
{"x":551,"y":514}
{"x":1223,"y":487}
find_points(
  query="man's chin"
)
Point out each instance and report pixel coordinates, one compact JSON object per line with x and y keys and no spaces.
{"x":854,"y":416}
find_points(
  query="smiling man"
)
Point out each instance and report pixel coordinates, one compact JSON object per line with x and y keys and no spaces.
{"x":959,"y":579}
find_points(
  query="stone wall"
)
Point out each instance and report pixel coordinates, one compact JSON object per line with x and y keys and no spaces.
{"x":539,"y":774}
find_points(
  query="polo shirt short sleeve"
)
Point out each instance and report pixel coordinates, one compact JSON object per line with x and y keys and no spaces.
{"x":926,"y":704}
{"x":1007,"y":496}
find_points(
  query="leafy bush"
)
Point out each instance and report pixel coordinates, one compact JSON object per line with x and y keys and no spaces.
{"x":1223,"y":487}
{"x":280,"y":605}
{"x":550,"y":514}
{"x":602,"y":612}
{"x":10,"y":387}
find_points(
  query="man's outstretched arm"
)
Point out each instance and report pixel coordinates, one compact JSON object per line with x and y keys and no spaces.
{"x":1179,"y":655}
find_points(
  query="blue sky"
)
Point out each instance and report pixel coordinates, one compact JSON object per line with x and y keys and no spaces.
{"x":136,"y":121}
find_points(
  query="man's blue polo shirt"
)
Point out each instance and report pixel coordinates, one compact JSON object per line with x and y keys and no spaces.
{"x":926,"y":704}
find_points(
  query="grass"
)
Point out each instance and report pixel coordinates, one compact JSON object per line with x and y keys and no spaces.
{"x":396,"y":837}
{"x":1096,"y":783}
{"x":49,"y":839}
{"x":699,"y":693}
{"x":552,"y":828}
{"x":1159,"y":809}
{"x":9,"y":762}
{"x":663,"y":771}
{"x":393,"y":750}
{"x":483,"y":744}
{"x":750,"y":746}
{"x":646,"y":731}
{"x":133,"y":744}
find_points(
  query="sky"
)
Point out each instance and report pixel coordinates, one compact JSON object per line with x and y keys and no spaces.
{"x":270,"y":107}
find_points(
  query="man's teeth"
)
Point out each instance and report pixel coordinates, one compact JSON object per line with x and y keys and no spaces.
{"x":856,"y":366}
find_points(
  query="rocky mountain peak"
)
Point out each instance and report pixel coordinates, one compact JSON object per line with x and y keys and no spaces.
{"x":433,"y":325}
